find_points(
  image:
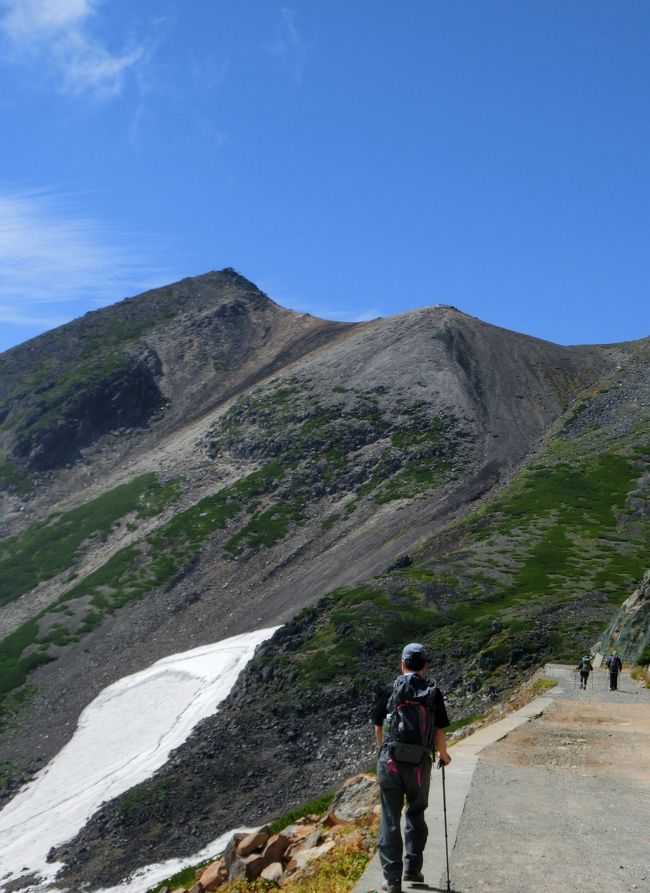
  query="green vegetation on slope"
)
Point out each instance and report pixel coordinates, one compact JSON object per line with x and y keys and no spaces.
{"x":316,"y":444}
{"x":562,"y":529}
{"x":130,"y":574}
{"x":523,"y":579}
{"x":358,"y":621}
{"x":531,"y":576}
{"x":51,"y":546}
{"x":350,"y":443}
{"x":15,"y":478}
{"x":267,"y":527}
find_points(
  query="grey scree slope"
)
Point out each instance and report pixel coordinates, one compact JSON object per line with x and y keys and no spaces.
{"x":552,"y":799}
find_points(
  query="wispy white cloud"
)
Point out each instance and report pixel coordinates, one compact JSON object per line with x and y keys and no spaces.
{"x":367,"y":315}
{"x":289,"y":19}
{"x":9,"y":315}
{"x":276,"y":287}
{"x":348,"y":315}
{"x":25,"y":18}
{"x":287,"y":45}
{"x":50,"y":254}
{"x":332,"y":311}
{"x":342,"y":314}
{"x":57,"y":37}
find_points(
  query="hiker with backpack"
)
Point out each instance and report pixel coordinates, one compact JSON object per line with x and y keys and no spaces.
{"x":585,"y":667}
{"x":615,"y":666}
{"x":410,"y":718}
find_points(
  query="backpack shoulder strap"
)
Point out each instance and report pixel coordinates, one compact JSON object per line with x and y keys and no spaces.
{"x":398,"y":687}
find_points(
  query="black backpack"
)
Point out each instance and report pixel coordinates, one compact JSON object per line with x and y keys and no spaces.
{"x":410,"y":723}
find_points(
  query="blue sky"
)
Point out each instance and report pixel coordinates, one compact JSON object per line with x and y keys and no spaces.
{"x":354,"y":159}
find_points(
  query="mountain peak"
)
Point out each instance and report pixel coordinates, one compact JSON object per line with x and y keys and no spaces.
{"x":228,"y":276}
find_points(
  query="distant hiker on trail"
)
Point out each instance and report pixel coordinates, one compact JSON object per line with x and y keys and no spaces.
{"x":585,"y":668}
{"x":410,"y":718}
{"x":615,"y":666}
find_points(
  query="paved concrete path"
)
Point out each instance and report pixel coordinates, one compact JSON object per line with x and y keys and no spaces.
{"x":555,"y":798}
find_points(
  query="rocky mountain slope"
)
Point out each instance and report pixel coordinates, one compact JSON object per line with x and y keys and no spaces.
{"x":197,"y":462}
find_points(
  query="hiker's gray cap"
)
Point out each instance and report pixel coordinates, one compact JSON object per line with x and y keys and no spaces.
{"x":413,"y":650}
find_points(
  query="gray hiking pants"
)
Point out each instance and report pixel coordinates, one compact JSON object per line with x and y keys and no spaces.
{"x":397,"y":782}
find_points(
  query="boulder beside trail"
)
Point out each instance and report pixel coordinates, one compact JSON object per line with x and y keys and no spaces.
{"x":277,"y":857}
{"x":214,"y":876}
{"x":273,"y":872}
{"x":252,"y":842}
{"x":356,"y":798}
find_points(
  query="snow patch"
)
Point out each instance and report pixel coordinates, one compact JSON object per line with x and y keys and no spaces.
{"x":122,"y":738}
{"x":145,"y":878}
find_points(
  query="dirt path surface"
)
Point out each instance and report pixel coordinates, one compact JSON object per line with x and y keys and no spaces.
{"x":557,"y":804}
{"x":561,"y":804}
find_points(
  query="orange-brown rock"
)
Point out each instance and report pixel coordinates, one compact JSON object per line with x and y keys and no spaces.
{"x":214,"y":876}
{"x":314,"y":838}
{"x":304,"y":857}
{"x":275,"y":848}
{"x":309,"y":843}
{"x":253,"y":841}
{"x":298,"y":831}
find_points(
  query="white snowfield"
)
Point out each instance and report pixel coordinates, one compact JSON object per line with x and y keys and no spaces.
{"x":145,"y":878}
{"x":122,"y":738}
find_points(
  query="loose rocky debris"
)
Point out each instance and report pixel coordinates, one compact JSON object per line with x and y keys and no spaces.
{"x":290,"y":854}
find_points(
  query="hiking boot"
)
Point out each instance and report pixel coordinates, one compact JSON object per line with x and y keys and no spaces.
{"x":414,"y":877}
{"x":391,"y":886}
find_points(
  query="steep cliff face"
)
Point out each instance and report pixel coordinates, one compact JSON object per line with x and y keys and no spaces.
{"x":125,"y":396}
{"x":426,"y":476}
{"x":629,"y":631}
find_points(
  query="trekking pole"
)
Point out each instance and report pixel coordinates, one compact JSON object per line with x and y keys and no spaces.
{"x":575,"y":676}
{"x":441,"y":765}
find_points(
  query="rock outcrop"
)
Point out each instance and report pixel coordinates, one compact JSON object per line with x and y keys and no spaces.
{"x":276,"y":858}
{"x":124,"y":396}
{"x":629,"y":631}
